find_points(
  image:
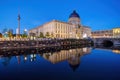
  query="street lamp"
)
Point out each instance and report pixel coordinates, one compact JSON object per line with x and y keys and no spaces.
{"x":25,"y":30}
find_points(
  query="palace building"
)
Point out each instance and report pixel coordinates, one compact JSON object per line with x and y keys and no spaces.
{"x":102,"y":34}
{"x":116,"y":32}
{"x":60,"y":29}
{"x":113,"y":33}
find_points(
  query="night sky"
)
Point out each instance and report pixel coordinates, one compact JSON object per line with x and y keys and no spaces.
{"x":97,"y":14}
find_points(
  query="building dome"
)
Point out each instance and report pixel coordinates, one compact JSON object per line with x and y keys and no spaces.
{"x":74,"y":18}
{"x":74,"y":14}
{"x":74,"y":67}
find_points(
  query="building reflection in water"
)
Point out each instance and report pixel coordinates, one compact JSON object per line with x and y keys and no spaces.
{"x":18,"y":59}
{"x":72,"y":56}
{"x":25,"y":57}
{"x":116,"y":51}
{"x":32,"y":57}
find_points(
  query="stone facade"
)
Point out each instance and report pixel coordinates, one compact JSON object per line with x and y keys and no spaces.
{"x":59,"y":29}
{"x":116,"y":32}
{"x":102,"y":34}
{"x":113,"y":33}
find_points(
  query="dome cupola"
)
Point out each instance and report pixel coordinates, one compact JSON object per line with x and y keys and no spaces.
{"x":74,"y":14}
{"x":74,"y":18}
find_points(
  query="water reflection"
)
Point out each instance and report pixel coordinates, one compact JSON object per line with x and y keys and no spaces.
{"x":6,"y":60}
{"x":108,"y":47}
{"x":70,"y":63}
{"x":66,"y":55}
{"x":71,"y":55}
{"x":116,"y":51}
{"x":18,"y":59}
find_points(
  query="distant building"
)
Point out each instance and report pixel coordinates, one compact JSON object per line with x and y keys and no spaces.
{"x":10,"y":30}
{"x":102,"y":34}
{"x":86,"y":32}
{"x":60,"y":29}
{"x":6,"y":32}
{"x":114,"y":33}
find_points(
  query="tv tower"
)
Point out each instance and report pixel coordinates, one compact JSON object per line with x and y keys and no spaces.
{"x":19,"y":25}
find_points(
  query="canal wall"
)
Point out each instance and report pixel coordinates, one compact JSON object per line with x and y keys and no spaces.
{"x":27,"y":51}
{"x":41,"y":43}
{"x":113,"y":41}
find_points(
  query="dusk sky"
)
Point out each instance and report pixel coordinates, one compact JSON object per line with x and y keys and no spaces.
{"x":97,"y":14}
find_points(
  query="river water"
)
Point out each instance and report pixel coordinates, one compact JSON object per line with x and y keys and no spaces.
{"x":72,"y":64}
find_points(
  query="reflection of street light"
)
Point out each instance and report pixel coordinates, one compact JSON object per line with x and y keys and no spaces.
{"x":25,"y":58}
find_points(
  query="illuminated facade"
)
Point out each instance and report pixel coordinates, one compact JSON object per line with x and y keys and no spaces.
{"x":114,"y":33}
{"x":86,"y":32}
{"x":67,"y":55}
{"x":59,"y":29}
{"x":102,"y":34}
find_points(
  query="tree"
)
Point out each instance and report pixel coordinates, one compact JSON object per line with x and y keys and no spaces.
{"x":0,"y":35}
{"x":10,"y":35}
{"x":41,"y":35}
{"x":47,"y":35}
{"x":24,"y":35}
{"x":52,"y":35}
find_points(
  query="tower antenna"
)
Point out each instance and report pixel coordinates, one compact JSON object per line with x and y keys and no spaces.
{"x":18,"y":32}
